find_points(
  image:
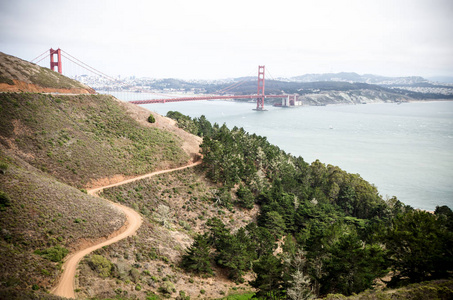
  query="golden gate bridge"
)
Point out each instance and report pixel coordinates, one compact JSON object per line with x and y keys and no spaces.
{"x":287,"y":100}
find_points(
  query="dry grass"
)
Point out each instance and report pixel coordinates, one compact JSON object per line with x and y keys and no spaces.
{"x":156,"y":250}
{"x":44,"y":213}
{"x":17,"y":71}
{"x":85,"y":138}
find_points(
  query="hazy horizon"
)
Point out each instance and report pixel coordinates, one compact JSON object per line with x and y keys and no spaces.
{"x":208,"y":40}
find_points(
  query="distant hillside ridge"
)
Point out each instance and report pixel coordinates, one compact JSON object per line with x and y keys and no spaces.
{"x":354,"y":77}
{"x":17,"y":75}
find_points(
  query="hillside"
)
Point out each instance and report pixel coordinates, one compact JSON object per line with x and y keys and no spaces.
{"x":44,"y":215}
{"x":328,"y":92}
{"x":250,"y":219}
{"x":84,"y":140}
{"x":52,"y":148}
{"x":17,"y":75}
{"x":354,"y":77}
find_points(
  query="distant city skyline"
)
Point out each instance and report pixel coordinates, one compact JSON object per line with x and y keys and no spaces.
{"x":215,"y":40}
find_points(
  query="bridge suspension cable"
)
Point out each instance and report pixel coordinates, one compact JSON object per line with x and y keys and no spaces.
{"x":34,"y":59}
{"x":234,"y":85}
{"x":85,"y":66}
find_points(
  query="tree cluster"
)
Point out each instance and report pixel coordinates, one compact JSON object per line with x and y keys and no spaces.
{"x":320,"y":230}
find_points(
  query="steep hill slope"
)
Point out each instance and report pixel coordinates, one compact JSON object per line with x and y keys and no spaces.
{"x":42,"y":220}
{"x":264,"y":218}
{"x":86,"y":139}
{"x":17,"y":75}
{"x":51,"y":149}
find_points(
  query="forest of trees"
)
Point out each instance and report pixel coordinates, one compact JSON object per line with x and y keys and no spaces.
{"x":320,"y":230}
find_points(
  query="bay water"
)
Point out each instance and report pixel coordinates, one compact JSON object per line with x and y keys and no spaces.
{"x":404,"y":150}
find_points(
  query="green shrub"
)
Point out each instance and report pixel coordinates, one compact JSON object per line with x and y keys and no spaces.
{"x":3,"y":167}
{"x":167,"y":288}
{"x":152,"y":296}
{"x":5,"y":201}
{"x":182,"y":296}
{"x":6,"y":80}
{"x":151,"y":119}
{"x":101,"y":265}
{"x":55,"y":254}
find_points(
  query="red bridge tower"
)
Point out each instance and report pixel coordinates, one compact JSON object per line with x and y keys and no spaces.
{"x":57,"y":63}
{"x":260,"y":93}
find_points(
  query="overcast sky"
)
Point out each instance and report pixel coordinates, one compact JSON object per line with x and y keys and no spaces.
{"x":198,"y":39}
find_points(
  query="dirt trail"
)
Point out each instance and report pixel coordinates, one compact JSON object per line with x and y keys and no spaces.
{"x":65,"y":286}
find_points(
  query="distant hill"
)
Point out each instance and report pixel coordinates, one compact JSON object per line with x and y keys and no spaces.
{"x":354,"y":77}
{"x":442,"y":79}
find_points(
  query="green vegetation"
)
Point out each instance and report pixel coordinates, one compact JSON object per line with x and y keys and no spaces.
{"x":13,"y":68}
{"x":101,"y":265}
{"x":197,"y":258}
{"x":49,"y":141}
{"x":84,"y":138}
{"x":6,"y":80}
{"x":339,"y":234}
{"x":421,"y":247}
{"x":438,"y":289}
{"x":298,"y":230}
{"x":245,"y":296}
{"x":151,"y":119}
{"x":37,"y":227}
{"x":47,"y":78}
{"x":55,"y":253}
{"x":5,"y":201}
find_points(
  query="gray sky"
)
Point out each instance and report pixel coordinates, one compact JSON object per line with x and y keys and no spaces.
{"x":207,"y":39}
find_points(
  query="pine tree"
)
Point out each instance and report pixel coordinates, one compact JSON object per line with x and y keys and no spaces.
{"x":197,"y":258}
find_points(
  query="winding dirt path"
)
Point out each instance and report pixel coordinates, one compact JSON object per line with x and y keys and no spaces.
{"x":65,"y":286}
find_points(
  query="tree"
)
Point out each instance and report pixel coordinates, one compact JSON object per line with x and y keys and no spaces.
{"x":197,"y":259}
{"x":351,"y":267}
{"x":421,"y":247}
{"x":445,"y":213}
{"x":236,"y":254}
{"x":262,"y":240}
{"x":275,"y":224}
{"x":298,"y":283}
{"x":204,"y":126}
{"x":218,"y":232}
{"x":151,"y":119}
{"x":269,"y":277}
{"x":245,"y":197}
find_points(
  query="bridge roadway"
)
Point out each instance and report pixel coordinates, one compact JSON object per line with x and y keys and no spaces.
{"x":204,"y":98}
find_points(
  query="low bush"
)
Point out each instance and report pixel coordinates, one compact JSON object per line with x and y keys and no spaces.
{"x":55,"y":253}
{"x":101,"y":265}
{"x":5,"y":201}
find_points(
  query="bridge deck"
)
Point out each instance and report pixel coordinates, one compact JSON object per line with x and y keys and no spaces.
{"x":181,"y":99}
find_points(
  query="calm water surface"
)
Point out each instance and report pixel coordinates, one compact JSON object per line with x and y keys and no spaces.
{"x":405,"y":150}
